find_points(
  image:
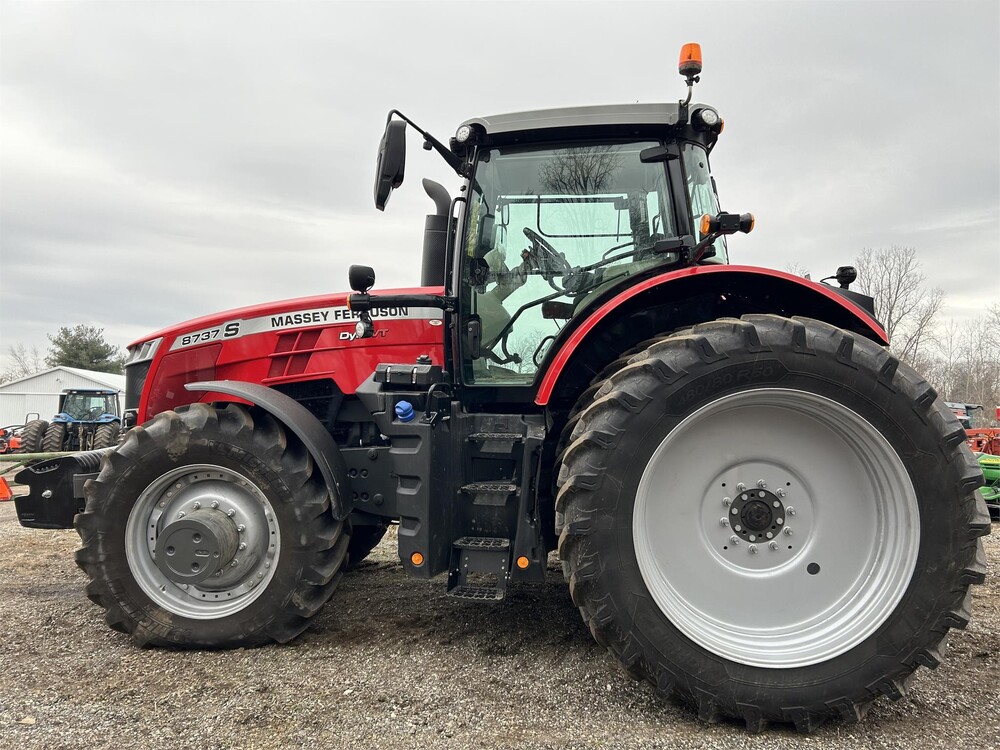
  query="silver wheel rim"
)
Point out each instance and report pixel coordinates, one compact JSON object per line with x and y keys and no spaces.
{"x":183,"y":491}
{"x":834,"y":567}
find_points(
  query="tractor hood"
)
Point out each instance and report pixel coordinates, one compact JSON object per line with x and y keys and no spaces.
{"x":277,"y":344}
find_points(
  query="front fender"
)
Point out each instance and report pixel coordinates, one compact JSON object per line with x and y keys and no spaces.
{"x":304,"y":425}
{"x":696,"y":295}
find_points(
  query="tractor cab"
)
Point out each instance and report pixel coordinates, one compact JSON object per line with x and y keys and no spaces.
{"x":600,"y":197}
{"x":78,"y":405}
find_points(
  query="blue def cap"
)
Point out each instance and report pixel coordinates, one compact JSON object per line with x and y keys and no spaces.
{"x":404,"y":411}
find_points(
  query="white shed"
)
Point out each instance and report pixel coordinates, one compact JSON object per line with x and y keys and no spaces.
{"x":39,"y":393}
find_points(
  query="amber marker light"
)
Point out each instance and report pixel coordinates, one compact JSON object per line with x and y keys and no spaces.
{"x":523,"y":562}
{"x":690,"y":60}
{"x":417,"y":559}
{"x":706,"y":225}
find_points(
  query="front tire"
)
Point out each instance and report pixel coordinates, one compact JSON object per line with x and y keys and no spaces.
{"x":692,"y":580}
{"x":210,"y":528}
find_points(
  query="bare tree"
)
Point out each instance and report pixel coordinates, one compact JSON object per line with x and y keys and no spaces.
{"x":581,"y":171}
{"x":24,"y":361}
{"x":907,"y":309}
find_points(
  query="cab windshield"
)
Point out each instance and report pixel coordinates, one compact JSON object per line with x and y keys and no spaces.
{"x":88,"y":406}
{"x":548,"y":230}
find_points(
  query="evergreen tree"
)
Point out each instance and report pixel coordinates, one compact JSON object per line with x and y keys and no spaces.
{"x":84,"y":347}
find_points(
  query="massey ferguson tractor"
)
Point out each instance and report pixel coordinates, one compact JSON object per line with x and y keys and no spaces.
{"x":758,"y":508}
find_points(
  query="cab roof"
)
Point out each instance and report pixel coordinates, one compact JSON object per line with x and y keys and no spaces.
{"x":664,"y":115}
{"x":651,"y":120}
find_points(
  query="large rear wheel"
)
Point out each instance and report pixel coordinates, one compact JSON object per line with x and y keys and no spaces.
{"x":773,"y":519}
{"x":31,"y":436}
{"x":106,"y":435}
{"x":210,"y":528}
{"x":54,"y":437}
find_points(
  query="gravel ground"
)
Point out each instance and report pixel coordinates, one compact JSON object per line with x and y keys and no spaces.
{"x":391,"y":662}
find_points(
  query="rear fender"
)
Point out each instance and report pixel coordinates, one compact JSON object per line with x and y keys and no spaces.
{"x":304,"y":425}
{"x":687,"y":297}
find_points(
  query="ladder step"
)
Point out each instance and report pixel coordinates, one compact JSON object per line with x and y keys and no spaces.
{"x":496,"y":442}
{"x":477,"y":593}
{"x":507,"y":488}
{"x":479,"y":437}
{"x":482,"y":542}
{"x":491,"y":493}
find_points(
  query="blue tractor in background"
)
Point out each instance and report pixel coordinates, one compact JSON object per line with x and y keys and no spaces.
{"x":88,"y":419}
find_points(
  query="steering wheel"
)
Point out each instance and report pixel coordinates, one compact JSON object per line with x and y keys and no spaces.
{"x":550,"y":261}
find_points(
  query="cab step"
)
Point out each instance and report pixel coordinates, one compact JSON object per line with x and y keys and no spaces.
{"x":480,"y":567}
{"x":496,"y":442}
{"x":490,"y":493}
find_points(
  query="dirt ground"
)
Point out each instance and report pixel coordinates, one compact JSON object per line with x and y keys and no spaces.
{"x":391,"y":662}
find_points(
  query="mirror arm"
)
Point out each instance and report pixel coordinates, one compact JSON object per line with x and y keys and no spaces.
{"x":455,"y":162}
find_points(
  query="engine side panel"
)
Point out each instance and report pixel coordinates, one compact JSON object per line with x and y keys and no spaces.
{"x":286,"y":342}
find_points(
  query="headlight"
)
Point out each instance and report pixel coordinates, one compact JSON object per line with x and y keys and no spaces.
{"x":707,"y":118}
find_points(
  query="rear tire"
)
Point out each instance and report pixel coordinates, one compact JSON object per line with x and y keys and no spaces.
{"x":31,"y":436}
{"x":255,"y":487}
{"x":826,"y":420}
{"x":54,"y":437}
{"x":107,"y":435}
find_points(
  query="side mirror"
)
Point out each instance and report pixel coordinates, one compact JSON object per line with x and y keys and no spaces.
{"x":390,"y":163}
{"x":361,"y":278}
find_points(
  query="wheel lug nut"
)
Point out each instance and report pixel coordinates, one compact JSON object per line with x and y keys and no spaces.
{"x":753,"y":538}
{"x":737,"y":527}
{"x":196,"y":506}
{"x":723,"y":521}
{"x":241,"y":528}
{"x":230,"y":512}
{"x":735,"y":511}
{"x":752,"y":549}
{"x":788,"y":532}
{"x":769,"y":535}
{"x":181,"y":514}
{"x":773,"y":545}
{"x":780,"y":521}
{"x":727,"y":501}
{"x":762,"y":484}
{"x":790,"y":510}
{"x":740,"y":487}
{"x":233,"y":563}
{"x":734,"y":539}
{"x":776,"y":504}
{"x":243,"y":545}
{"x":781,"y":492}
{"x":215,"y":503}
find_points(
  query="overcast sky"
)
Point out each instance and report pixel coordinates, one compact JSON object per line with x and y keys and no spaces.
{"x":160,"y":161}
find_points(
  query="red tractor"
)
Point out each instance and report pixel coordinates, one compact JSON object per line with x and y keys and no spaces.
{"x":758,"y":508}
